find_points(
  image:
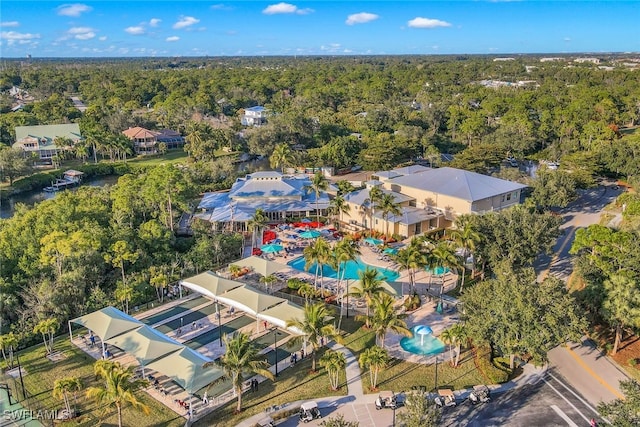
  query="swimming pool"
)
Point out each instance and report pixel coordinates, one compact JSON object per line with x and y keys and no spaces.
{"x":439,"y":270}
{"x":351,"y":269}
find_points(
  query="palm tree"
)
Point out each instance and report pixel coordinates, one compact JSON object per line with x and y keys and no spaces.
{"x":281,"y":157}
{"x":241,"y":358}
{"x":8,"y":343}
{"x":375,"y":194}
{"x":334,"y":362}
{"x":47,"y":328}
{"x":318,"y":253}
{"x":460,"y":335}
{"x":307,"y":291}
{"x":467,"y":237}
{"x":257,"y":222}
{"x":318,"y":184}
{"x":447,"y":337}
{"x":338,"y":206}
{"x":444,"y":255}
{"x":124,"y":293}
{"x":120,"y":387}
{"x":375,"y":358}
{"x":317,"y":323}
{"x":388,"y":206}
{"x":370,"y":285}
{"x":386,"y":318}
{"x":344,"y":251}
{"x":268,"y":281}
{"x":411,"y":258}
{"x":64,"y":386}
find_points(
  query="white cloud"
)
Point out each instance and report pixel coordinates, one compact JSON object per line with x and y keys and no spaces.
{"x":153,"y":22}
{"x":361,"y":18}
{"x":7,"y":24}
{"x":73,"y":9}
{"x":184,"y":22}
{"x":172,"y":39}
{"x":427,"y":23}
{"x":221,"y":6}
{"x":135,"y":31}
{"x":103,"y":38}
{"x":14,"y":37}
{"x":275,"y":9}
{"x":567,"y":39}
{"x":81,"y":33}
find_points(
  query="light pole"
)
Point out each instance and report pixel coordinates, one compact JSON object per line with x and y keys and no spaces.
{"x":219,"y":323}
{"x":436,"y":380}
{"x":275,"y":347}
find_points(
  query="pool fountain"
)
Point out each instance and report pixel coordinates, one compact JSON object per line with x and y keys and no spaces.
{"x":422,"y":342}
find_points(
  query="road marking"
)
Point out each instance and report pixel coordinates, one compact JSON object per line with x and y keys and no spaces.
{"x":563,"y":416}
{"x":593,"y":374}
{"x":585,"y":403}
{"x":566,"y":400}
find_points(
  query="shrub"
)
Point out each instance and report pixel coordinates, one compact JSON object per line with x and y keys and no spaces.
{"x":633,"y":362}
{"x":294,"y":283}
{"x":493,"y":373}
{"x":412,"y":302}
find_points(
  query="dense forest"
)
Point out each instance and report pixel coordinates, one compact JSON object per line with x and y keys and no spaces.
{"x":86,"y":249}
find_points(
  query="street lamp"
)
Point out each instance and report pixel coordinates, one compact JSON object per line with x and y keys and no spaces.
{"x":275,"y":347}
{"x":436,"y":380}
{"x":219,"y":323}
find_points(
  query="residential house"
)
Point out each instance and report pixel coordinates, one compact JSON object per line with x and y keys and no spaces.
{"x":44,"y":139}
{"x":429,"y":198}
{"x":146,"y":141}
{"x":254,"y":116}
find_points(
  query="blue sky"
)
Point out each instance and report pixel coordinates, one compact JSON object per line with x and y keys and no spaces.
{"x":248,"y":28}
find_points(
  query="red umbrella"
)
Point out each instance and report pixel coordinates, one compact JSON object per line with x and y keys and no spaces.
{"x":268,"y":236}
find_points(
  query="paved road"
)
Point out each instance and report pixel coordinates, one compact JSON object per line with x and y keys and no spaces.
{"x":581,"y":213}
{"x":548,"y":402}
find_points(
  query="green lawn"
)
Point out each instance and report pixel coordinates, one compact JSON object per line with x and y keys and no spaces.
{"x":296,"y":383}
{"x":401,"y":375}
{"x":41,"y":374}
{"x":173,"y":156}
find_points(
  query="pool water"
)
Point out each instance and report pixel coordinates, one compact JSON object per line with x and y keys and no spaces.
{"x":424,"y":345}
{"x":351,"y":269}
{"x":438,"y":271}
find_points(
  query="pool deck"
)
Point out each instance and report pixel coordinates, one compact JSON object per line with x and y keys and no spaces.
{"x":427,"y":285}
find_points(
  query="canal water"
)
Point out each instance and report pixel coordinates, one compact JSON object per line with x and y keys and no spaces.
{"x":32,"y":197}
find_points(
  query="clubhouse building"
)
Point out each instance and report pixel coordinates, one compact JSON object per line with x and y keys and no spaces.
{"x":429,"y":199}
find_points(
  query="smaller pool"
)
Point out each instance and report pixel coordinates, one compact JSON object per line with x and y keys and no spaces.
{"x":439,"y":270}
{"x":423,"y":345}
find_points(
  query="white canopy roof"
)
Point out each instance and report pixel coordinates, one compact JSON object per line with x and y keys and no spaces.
{"x":279,"y":315}
{"x":145,"y":344}
{"x":108,"y":322}
{"x":210,"y":284}
{"x":249,"y":300}
{"x":260,"y":265}
{"x":186,"y":367}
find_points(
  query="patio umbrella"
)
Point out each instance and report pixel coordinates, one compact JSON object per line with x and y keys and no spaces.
{"x":310,"y":234}
{"x":373,"y":241}
{"x":390,"y":251}
{"x":269,"y":249}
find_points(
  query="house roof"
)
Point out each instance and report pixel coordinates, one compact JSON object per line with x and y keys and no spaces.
{"x":458,"y":183}
{"x":138,"y":132}
{"x":411,"y":169}
{"x":48,"y":133}
{"x":256,"y":109}
{"x":359,"y":197}
{"x":410,"y":215}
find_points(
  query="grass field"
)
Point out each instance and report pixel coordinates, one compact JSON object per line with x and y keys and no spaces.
{"x":41,"y":374}
{"x":295,"y":383}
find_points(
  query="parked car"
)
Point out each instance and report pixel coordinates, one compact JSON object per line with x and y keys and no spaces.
{"x":309,"y":411}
